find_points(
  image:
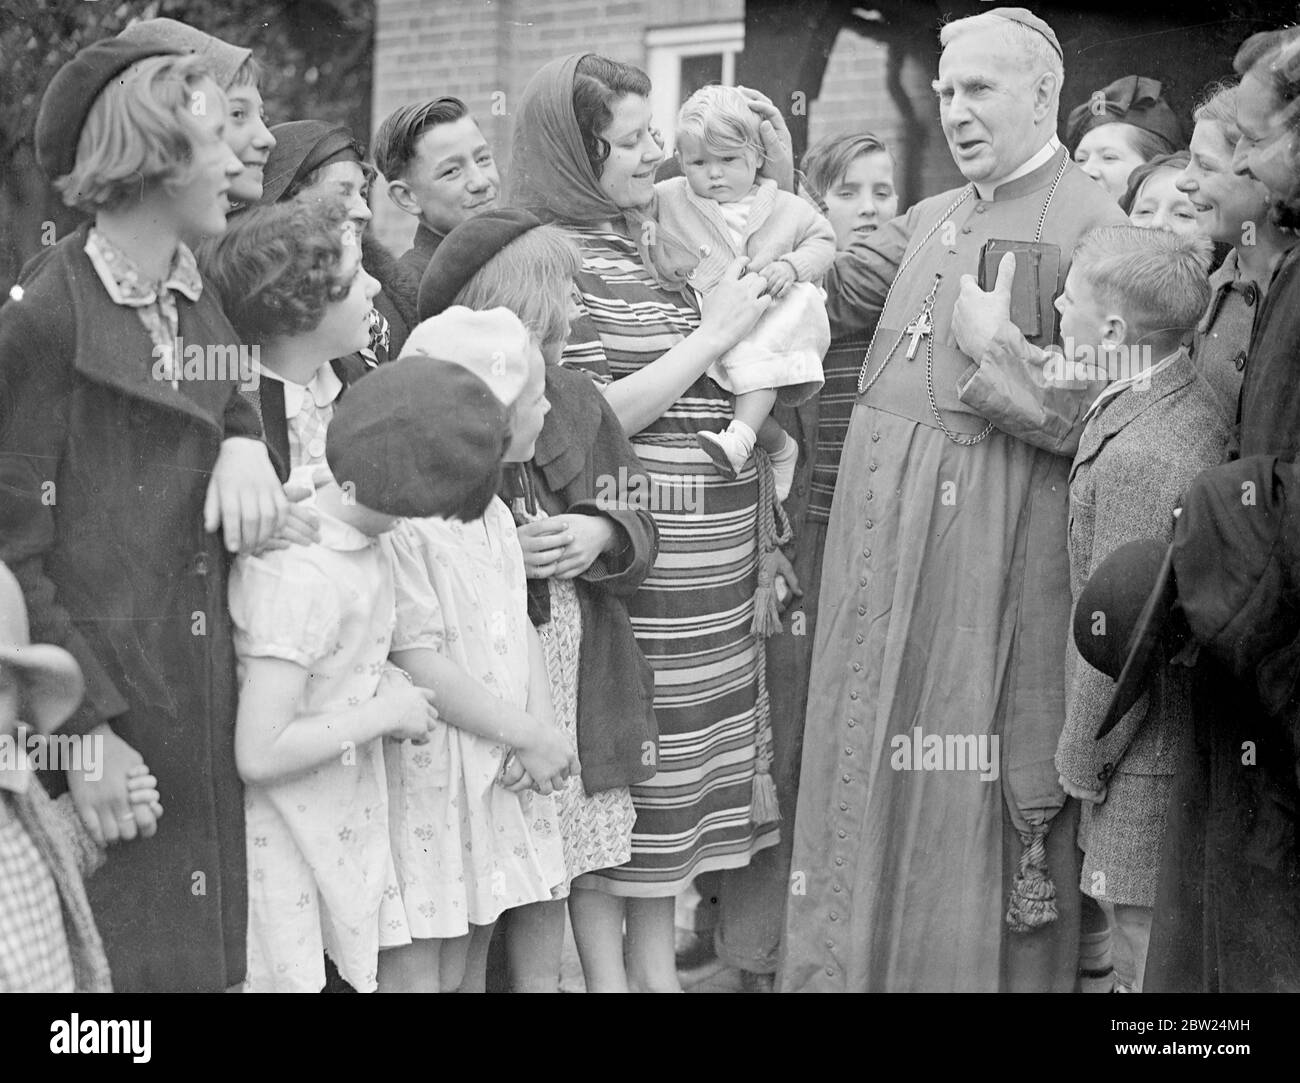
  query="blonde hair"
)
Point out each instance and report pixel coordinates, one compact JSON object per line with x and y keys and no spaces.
{"x":138,"y":132}
{"x":719,"y":119}
{"x":532,"y":276}
{"x":1157,"y":280}
{"x":1033,"y":48}
{"x":1219,"y":106}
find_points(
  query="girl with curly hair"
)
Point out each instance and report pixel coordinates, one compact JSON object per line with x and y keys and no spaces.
{"x":291,"y":282}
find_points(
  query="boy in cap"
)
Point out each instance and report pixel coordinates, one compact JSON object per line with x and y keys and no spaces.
{"x":48,"y":939}
{"x":1131,"y":295}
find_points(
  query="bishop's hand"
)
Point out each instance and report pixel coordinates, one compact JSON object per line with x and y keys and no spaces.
{"x":978,"y":318}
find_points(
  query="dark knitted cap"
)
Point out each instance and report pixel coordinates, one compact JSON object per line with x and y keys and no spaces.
{"x":302,"y":146}
{"x":73,"y":90}
{"x":465,"y":250}
{"x":419,"y":437}
{"x":223,"y":60}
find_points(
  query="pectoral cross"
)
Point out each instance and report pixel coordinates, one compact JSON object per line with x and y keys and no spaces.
{"x":918,"y":328}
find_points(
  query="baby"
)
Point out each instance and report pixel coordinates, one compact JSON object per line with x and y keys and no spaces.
{"x":721,"y":209}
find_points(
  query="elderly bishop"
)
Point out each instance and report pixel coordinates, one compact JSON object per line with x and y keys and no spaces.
{"x":945,"y":597}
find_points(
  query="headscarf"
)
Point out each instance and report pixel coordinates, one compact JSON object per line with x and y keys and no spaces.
{"x":551,"y":175}
{"x":1135,"y":100}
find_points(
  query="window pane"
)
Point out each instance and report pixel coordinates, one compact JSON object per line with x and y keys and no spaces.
{"x":698,"y":71}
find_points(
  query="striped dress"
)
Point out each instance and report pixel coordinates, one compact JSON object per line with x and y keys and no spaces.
{"x":692,"y":615}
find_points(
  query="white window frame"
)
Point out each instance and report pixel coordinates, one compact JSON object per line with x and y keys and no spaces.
{"x":665,"y":49}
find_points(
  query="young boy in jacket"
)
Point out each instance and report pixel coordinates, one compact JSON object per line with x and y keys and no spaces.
{"x":1130,"y":297}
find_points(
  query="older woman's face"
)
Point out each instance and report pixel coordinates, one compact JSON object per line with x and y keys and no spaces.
{"x":628,"y":174}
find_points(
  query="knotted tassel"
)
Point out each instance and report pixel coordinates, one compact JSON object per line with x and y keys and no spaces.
{"x":767,"y":609}
{"x":1032,"y":904}
{"x":763,"y":805}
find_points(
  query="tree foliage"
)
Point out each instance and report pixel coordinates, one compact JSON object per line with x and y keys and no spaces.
{"x":315,"y":57}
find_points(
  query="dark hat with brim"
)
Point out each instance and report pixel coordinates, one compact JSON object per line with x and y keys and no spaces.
{"x":301,"y":147}
{"x":419,"y":437}
{"x":464,"y":252}
{"x":1123,"y":619}
{"x":68,"y":99}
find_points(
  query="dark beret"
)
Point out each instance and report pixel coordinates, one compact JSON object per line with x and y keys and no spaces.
{"x":73,"y":90}
{"x":419,"y":437}
{"x":302,"y":146}
{"x":465,"y":250}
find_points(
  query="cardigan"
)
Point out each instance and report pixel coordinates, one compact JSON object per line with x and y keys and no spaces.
{"x":781,"y":226}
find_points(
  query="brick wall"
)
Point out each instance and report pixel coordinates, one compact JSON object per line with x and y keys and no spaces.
{"x":484,"y":51}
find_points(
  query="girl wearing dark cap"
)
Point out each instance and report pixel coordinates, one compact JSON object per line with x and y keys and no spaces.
{"x":1119,"y":127}
{"x":313,"y":160}
{"x":115,"y":471}
{"x":588,"y":541}
{"x":1153,"y":199}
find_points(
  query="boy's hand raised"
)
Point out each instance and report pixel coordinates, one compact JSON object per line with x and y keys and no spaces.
{"x":244,"y":496}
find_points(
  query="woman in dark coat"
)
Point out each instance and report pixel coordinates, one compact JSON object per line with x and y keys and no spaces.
{"x":123,"y":441}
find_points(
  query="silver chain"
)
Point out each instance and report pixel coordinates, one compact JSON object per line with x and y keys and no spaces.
{"x":864,"y":385}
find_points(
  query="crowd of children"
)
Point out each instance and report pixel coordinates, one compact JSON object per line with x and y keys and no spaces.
{"x":346,"y":628}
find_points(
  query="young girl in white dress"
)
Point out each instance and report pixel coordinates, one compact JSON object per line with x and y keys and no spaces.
{"x":313,"y":622}
{"x":467,"y":845}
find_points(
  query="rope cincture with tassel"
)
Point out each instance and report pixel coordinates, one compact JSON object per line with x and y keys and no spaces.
{"x":1032,"y":903}
{"x":764,"y":807}
{"x":767,"y":609}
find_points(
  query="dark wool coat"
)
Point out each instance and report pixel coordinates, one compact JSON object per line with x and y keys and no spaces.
{"x":103,"y":473}
{"x":1227,"y":915}
{"x":581,"y":451}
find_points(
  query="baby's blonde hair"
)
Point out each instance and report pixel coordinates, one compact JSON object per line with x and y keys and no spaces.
{"x":1156,"y":279}
{"x":719,"y":119}
{"x":138,"y":131}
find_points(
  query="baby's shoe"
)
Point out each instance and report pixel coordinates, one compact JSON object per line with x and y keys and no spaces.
{"x":729,"y":449}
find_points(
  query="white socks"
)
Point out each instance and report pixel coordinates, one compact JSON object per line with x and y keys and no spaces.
{"x":783,"y":465}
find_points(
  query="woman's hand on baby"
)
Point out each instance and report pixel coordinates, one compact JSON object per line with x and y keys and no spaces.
{"x":731,"y":309}
{"x":778,"y":147}
{"x":413,"y":712}
{"x":779,"y":276}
